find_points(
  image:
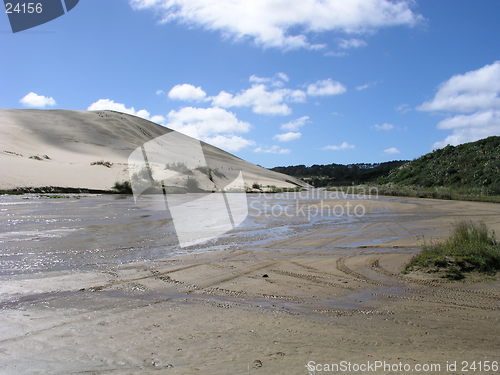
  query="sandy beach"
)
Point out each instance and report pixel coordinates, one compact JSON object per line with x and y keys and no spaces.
{"x":325,"y":294}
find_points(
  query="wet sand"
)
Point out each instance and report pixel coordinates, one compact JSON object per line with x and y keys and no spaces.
{"x":322,"y":293}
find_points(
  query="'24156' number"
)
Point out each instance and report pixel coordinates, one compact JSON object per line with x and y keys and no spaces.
{"x":24,"y":8}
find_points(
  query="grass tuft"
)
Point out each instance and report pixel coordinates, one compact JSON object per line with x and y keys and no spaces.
{"x":471,"y":247}
{"x":123,"y":187}
{"x":106,"y":164}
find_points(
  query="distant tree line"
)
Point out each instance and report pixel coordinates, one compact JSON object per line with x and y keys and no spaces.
{"x":340,"y":174}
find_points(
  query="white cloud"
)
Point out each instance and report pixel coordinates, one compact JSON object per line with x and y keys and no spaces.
{"x":213,"y":125}
{"x":272,"y":150}
{"x":391,"y":151}
{"x":266,"y":95}
{"x":287,"y":137}
{"x":472,"y":102}
{"x":256,"y":79}
{"x":33,"y":100}
{"x":295,"y":124}
{"x":278,"y":80}
{"x":362,"y":87}
{"x":478,"y":119}
{"x":283,"y":24}
{"x":365,"y":86}
{"x":261,"y":99}
{"x":351,"y":43}
{"x":203,"y":122}
{"x":158,"y":119}
{"x":342,"y":146}
{"x":229,"y":142}
{"x":186,"y":92}
{"x":403,"y":108}
{"x":325,"y":87}
{"x":383,"y":127}
{"x":475,"y":90}
{"x":159,"y":92}
{"x":282,"y":76}
{"x":469,"y":128}
{"x":110,"y":105}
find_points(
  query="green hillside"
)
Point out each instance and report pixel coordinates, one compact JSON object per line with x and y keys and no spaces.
{"x":473,"y":165}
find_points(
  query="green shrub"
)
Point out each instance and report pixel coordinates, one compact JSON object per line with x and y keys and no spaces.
{"x":471,"y":247}
{"x":122,"y":187}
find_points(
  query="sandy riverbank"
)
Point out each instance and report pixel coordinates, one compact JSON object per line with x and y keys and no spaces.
{"x":329,"y":295}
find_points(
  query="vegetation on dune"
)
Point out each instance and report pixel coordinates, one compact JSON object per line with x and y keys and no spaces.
{"x":471,"y":247}
{"x":179,"y":167}
{"x":106,"y":164}
{"x":192,"y":186}
{"x":211,"y":172}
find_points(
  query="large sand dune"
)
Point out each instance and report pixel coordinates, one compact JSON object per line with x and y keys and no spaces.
{"x":40,"y":148}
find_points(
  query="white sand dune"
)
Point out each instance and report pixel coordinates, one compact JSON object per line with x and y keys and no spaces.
{"x":40,"y":148}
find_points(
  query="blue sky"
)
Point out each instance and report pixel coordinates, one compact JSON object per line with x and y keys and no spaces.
{"x":275,"y":82}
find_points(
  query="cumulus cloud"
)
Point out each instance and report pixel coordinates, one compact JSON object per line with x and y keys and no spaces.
{"x":403,"y":108}
{"x":158,"y":119}
{"x":362,"y":87}
{"x":229,"y":142}
{"x":342,"y":146}
{"x":351,"y":43}
{"x":33,"y":100}
{"x":213,"y":125}
{"x":261,"y":99}
{"x":201,"y":122}
{"x":472,"y":104}
{"x":282,"y":76}
{"x":272,"y":150}
{"x":266,"y":95}
{"x":475,"y":90}
{"x":469,"y":128}
{"x":278,"y":80}
{"x":187,"y":92}
{"x":325,"y":87}
{"x":287,"y":137}
{"x":111,"y":105}
{"x":391,"y":151}
{"x":295,"y":124}
{"x":283,"y":24}
{"x":365,"y":86}
{"x":383,"y":127}
{"x":479,"y":119}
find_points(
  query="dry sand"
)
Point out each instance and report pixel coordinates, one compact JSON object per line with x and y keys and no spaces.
{"x":328,"y":296}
